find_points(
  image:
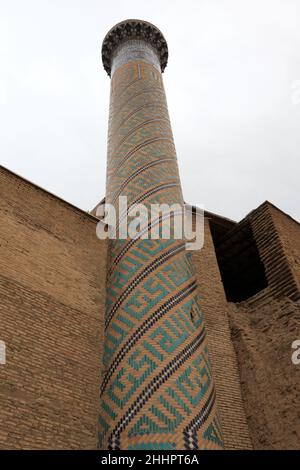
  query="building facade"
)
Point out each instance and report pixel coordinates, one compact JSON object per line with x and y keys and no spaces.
{"x":127,"y":316}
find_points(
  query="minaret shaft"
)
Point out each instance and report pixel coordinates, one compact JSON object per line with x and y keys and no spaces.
{"x":157,"y":390}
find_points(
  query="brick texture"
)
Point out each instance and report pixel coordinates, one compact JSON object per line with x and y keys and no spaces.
{"x":263,"y":330}
{"x":222,"y":353}
{"x":289,"y":233}
{"x":51,"y":310}
{"x":277,"y":239}
{"x":157,"y":391}
{"x":52,"y":293}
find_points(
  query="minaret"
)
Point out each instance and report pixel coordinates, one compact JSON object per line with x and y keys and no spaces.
{"x":157,"y":391}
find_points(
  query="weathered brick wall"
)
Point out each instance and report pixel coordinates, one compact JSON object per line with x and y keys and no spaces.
{"x":262,"y":334}
{"x":52,"y":291}
{"x":274,"y":245}
{"x":289,"y":233}
{"x":264,"y":328}
{"x":223,"y":357}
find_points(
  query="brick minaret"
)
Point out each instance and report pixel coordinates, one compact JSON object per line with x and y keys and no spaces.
{"x":157,"y":391}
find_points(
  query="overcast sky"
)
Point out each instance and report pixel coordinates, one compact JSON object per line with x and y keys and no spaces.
{"x":232,"y":83}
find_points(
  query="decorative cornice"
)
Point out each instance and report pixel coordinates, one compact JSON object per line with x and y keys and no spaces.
{"x":134,"y":29}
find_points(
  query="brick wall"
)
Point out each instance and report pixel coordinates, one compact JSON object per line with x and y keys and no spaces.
{"x":263,"y":330}
{"x":277,"y":238}
{"x":262,"y":334}
{"x":223,"y":357}
{"x":289,"y":233}
{"x":52,"y":291}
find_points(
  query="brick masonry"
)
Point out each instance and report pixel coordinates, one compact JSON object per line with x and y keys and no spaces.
{"x":52,"y":293}
{"x":289,"y":233}
{"x":224,"y":363}
{"x":157,"y":391}
{"x":263,"y":330}
{"x":277,"y":239}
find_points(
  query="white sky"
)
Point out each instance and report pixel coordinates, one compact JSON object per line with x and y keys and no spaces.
{"x":232,"y":83}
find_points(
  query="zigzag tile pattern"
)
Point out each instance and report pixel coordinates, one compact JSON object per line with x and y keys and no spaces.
{"x":157,"y":390}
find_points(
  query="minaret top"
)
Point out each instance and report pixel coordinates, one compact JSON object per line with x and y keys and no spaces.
{"x":134,"y":29}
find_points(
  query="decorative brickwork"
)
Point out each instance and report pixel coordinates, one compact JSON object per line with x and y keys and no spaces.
{"x":157,"y":390}
{"x":156,"y":385}
{"x":134,"y":30}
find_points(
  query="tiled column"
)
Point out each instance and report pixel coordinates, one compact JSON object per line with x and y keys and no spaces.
{"x":157,"y":391}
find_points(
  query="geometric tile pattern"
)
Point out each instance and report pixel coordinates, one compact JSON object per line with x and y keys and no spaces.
{"x":157,"y":390}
